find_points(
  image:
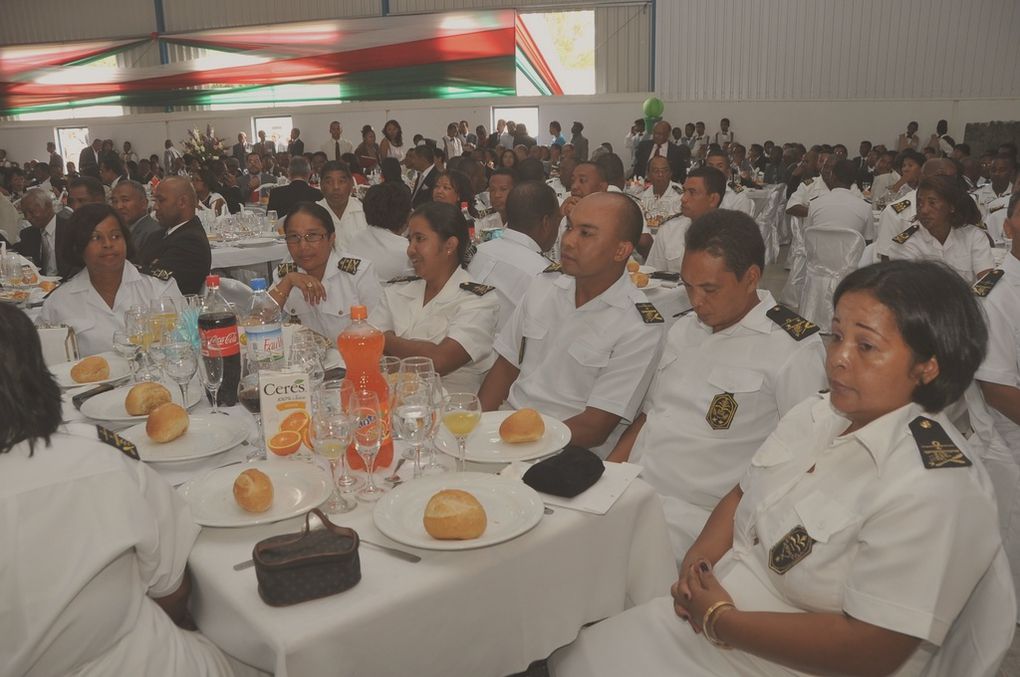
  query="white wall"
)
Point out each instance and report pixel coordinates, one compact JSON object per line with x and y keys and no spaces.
{"x":606,"y":118}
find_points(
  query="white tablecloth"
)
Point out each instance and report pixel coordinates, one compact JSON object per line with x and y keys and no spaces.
{"x":230,"y":257}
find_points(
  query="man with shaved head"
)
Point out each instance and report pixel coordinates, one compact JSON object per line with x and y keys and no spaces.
{"x":657,"y":146}
{"x":582,"y":344}
{"x":45,"y":242}
{"x":131,"y":203}
{"x":899,"y":215}
{"x":181,"y":250}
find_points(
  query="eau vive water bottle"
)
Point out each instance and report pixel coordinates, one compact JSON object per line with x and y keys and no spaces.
{"x":262,"y":322}
{"x":361,"y":346}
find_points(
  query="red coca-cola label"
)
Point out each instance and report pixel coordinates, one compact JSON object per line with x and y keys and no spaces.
{"x":220,"y":342}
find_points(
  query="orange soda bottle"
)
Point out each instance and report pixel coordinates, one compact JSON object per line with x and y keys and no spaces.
{"x":361,"y":346}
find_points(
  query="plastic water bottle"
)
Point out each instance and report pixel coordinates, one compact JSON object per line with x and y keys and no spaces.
{"x":262,"y":322}
{"x":217,"y":332}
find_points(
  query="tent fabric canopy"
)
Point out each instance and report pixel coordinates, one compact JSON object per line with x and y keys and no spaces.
{"x":446,"y":55}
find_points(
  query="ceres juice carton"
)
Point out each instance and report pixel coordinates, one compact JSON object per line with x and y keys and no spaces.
{"x":286,"y":402}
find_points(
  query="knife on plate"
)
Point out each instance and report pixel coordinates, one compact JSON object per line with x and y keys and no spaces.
{"x":80,"y":398}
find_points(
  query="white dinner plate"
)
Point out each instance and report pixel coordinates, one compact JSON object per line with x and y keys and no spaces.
{"x":119,"y":369}
{"x":256,"y":242}
{"x":110,"y":405}
{"x":511,"y":509}
{"x":206,"y":435}
{"x":652,"y":282}
{"x":297,"y":488}
{"x":484,"y":445}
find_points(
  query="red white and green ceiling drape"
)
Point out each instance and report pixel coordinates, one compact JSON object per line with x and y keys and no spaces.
{"x":451,"y":55}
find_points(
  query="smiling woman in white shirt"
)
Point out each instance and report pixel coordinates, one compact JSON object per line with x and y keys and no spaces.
{"x":441,"y":313}
{"x":94,"y":301}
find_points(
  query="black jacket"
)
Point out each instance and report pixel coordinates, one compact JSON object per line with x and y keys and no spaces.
{"x":423,"y":193}
{"x":643,"y":153}
{"x":284,"y":198}
{"x":185,"y":254}
{"x":30,"y":246}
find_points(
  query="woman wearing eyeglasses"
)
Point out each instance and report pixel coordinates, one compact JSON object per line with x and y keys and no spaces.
{"x":320,"y":285}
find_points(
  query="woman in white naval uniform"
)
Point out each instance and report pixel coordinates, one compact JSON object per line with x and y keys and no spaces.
{"x":319,"y":285}
{"x":441,"y":313}
{"x":94,"y":301}
{"x":862,"y":525}
{"x":94,"y":579}
{"x":944,"y":230}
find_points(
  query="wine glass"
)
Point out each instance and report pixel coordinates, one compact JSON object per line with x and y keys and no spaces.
{"x":412,"y":416}
{"x":181,"y":365}
{"x":126,"y":348}
{"x":368,"y":432}
{"x":158,"y":339}
{"x":248,"y":396}
{"x":417,"y":365}
{"x":163,"y":311}
{"x":331,"y":433}
{"x":435,"y":465}
{"x":304,"y":354}
{"x":461,"y":414}
{"x":210,"y":372}
{"x":334,"y":396}
{"x":136,"y":324}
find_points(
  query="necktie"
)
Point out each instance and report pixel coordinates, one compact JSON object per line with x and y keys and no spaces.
{"x":337,"y":145}
{"x":47,"y":254}
{"x":654,"y":154}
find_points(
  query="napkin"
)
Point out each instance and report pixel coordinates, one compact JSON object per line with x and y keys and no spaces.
{"x":598,"y":498}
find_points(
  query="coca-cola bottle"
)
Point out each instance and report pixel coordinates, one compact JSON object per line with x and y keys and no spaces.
{"x":217,"y":331}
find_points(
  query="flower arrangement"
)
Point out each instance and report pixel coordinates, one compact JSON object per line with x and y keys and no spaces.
{"x":204,"y":145}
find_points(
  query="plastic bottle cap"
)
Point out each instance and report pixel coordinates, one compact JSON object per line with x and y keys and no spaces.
{"x":258,"y":284}
{"x":212,"y":280}
{"x":359,"y":313}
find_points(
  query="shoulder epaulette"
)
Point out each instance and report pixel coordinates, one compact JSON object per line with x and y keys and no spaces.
{"x":792,"y":323}
{"x":348,"y":265}
{"x":808,"y":182}
{"x":982,"y":225}
{"x":553,"y":267}
{"x":649,"y":313}
{"x":284,"y":269}
{"x":905,"y":235}
{"x":986,"y":284}
{"x":678,"y":189}
{"x":403,"y":278}
{"x":736,"y":188}
{"x":995,"y":209}
{"x":476,"y":288}
{"x":898,"y":207}
{"x":936,"y":447}
{"x":158,"y":273}
{"x":107,"y":436}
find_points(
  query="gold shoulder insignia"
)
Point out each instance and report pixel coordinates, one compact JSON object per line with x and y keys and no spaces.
{"x":737,"y":188}
{"x":553,"y":267}
{"x":905,"y":235}
{"x":159,"y":273}
{"x":983,"y":226}
{"x":284,"y":269}
{"x":808,"y":182}
{"x":790,"y":550}
{"x":792,"y":323}
{"x":476,"y":288}
{"x":995,"y":209}
{"x":349,"y":265}
{"x":936,"y":447}
{"x":898,"y":207}
{"x":986,"y":284}
{"x":721,"y":411}
{"x":403,"y":278}
{"x":107,"y":436}
{"x":649,"y":313}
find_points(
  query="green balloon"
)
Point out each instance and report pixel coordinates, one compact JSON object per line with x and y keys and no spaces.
{"x":653,"y":107}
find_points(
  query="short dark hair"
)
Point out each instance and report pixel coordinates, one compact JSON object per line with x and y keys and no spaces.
{"x":963,"y":148}
{"x":528,"y":203}
{"x":30,"y":399}
{"x":844,"y":172}
{"x":112,"y":161}
{"x":950,"y":188}
{"x":81,"y":226}
{"x":387,"y":205}
{"x":506,"y":171}
{"x":316,"y":211}
{"x":937,"y":315}
{"x":92,"y":185}
{"x":612,"y":168}
{"x":909,"y":154}
{"x":598,"y":168}
{"x":336,"y":166}
{"x":730,"y":235}
{"x":352,"y":165}
{"x":461,"y":183}
{"x":715,"y":181}
{"x":447,"y":221}
{"x":531,"y":169}
{"x":556,"y":124}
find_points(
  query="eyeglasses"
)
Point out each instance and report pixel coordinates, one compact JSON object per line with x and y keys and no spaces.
{"x":294,"y":238}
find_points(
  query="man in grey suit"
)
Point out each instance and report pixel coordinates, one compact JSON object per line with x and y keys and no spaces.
{"x":128,"y":199}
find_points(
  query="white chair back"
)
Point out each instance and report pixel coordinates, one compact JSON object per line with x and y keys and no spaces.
{"x":58,"y":344}
{"x":994,"y":225}
{"x":795,"y":261}
{"x":868,"y":256}
{"x":830,"y":253}
{"x":768,"y":218}
{"x":237,"y":293}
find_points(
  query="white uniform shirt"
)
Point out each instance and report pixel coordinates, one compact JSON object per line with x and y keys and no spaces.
{"x":329,"y":147}
{"x":896,"y":218}
{"x":385,"y":249}
{"x":510,"y":264}
{"x":667,"y":252}
{"x":453,"y":147}
{"x":966,"y":250}
{"x":1002,"y":363}
{"x":986,"y":198}
{"x":343,"y":290}
{"x":346,"y":226}
{"x":665,"y":205}
{"x":736,"y":198}
{"x":93,"y":537}
{"x":839,"y":208}
{"x":78,"y":305}
{"x":454,"y":313}
{"x":880,"y":185}
{"x":766,"y":372}
{"x":601,"y":355}
{"x":722,"y":137}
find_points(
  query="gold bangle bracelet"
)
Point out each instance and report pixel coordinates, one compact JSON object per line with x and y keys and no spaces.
{"x":710,"y":618}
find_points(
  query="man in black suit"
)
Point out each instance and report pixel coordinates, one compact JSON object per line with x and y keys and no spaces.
{"x":47,"y":241}
{"x":88,"y":160}
{"x":295,"y":146}
{"x":182,"y":247}
{"x":422,"y":159}
{"x":658,"y":145}
{"x":242,"y":147}
{"x":283,"y":198}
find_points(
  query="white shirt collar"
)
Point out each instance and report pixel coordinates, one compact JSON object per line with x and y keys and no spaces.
{"x":617,"y":295}
{"x":520,"y":238}
{"x":177,"y":227}
{"x":880,"y":437}
{"x":51,"y":228}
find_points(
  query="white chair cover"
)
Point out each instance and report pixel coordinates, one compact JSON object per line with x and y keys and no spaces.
{"x":237,"y":293}
{"x":796,"y":261}
{"x":58,"y":344}
{"x":994,"y":225}
{"x":830,"y":253}
{"x":869,"y":256}
{"x":768,"y":218}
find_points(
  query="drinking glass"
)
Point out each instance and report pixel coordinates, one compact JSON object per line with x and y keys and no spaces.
{"x":412,"y":416}
{"x":163,"y":312}
{"x":125,"y":347}
{"x":181,"y":365}
{"x":10,"y":271}
{"x":159,"y":339}
{"x":248,"y":396}
{"x":304,"y":354}
{"x":461,"y":414}
{"x":334,"y":396}
{"x":331,"y":433}
{"x":210,"y":372}
{"x":136,"y":324}
{"x":368,"y":431}
{"x":417,"y":365}
{"x":435,"y":465}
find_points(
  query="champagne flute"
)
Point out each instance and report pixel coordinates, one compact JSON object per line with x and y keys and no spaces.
{"x":210,"y":372}
{"x":435,"y":465}
{"x":248,"y":396}
{"x":461,"y":414}
{"x":181,"y":365}
{"x":368,"y":431}
{"x":126,"y":348}
{"x":331,"y":433}
{"x":334,"y":396}
{"x":412,"y":416}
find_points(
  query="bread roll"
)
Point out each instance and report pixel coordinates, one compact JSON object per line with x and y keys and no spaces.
{"x":90,"y":370}
{"x":145,"y":397}
{"x":633,"y":266}
{"x":454,"y":515}
{"x":253,"y":490}
{"x":525,"y":425}
{"x":166,"y":423}
{"x":639,"y":279}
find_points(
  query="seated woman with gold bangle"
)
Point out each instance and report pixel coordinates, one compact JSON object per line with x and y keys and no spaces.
{"x":862,"y":525}
{"x":319,"y":285}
